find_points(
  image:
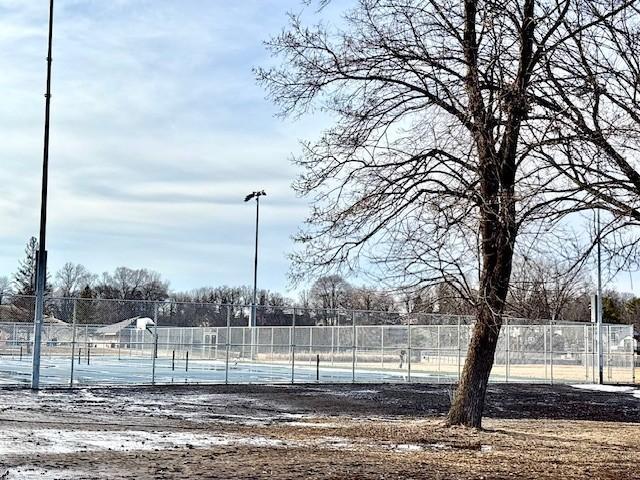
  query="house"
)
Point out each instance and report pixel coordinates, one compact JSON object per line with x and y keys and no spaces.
{"x":124,"y":333}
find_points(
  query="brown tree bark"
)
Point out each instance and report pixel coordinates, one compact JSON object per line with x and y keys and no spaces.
{"x":468,"y":403}
{"x":498,"y":239}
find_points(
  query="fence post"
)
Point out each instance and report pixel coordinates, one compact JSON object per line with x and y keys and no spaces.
{"x":333,"y":330}
{"x":459,"y":350}
{"x":205,"y":347}
{"x":633,"y":359}
{"x":551,"y":351}
{"x":608,"y":360}
{"x":243,"y":341}
{"x":438,"y":344}
{"x":292,"y":341}
{"x":354,"y":343}
{"x":215,"y":347}
{"x":191,"y":342}
{"x":154,"y":349}
{"x":594,"y":350}
{"x":272,"y":340}
{"x":409,"y":350}
{"x":382,"y":346}
{"x":585,"y":334}
{"x":227,"y":345}
{"x":73,"y":343}
{"x":544,"y":357}
{"x":508,"y":362}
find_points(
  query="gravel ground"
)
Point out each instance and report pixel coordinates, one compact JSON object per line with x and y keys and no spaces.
{"x":316,"y":431}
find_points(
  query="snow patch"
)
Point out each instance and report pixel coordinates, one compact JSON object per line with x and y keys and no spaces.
{"x":354,"y":393}
{"x":408,"y":447}
{"x":53,"y":441}
{"x":32,"y":473}
{"x":604,"y":388}
{"x":314,"y":424}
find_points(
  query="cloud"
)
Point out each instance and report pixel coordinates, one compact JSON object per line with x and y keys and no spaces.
{"x":158,"y":131}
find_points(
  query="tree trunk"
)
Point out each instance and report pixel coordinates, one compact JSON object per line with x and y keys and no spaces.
{"x":498,"y":234}
{"x":468,"y":402}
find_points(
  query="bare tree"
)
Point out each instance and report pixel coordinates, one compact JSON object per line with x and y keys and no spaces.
{"x":371,"y":299}
{"x":72,"y":278}
{"x":133,"y":284}
{"x":5,"y":288}
{"x":551,"y":285}
{"x":330,"y":292}
{"x":438,"y":158}
{"x":304,"y":299}
{"x":592,"y":108}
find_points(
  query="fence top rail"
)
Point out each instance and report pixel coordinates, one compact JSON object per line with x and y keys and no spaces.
{"x":82,"y":326}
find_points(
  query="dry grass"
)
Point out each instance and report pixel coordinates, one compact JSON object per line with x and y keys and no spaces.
{"x":313,"y":433}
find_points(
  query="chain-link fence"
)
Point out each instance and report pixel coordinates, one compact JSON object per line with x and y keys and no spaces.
{"x":96,"y":341}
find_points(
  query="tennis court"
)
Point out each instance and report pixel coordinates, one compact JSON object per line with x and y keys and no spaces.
{"x":108,"y":342}
{"x":111,"y":371}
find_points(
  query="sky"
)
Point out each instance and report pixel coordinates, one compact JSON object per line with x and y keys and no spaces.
{"x":158,"y":131}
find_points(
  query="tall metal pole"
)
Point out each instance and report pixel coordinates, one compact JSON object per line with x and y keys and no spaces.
{"x":254,"y":306}
{"x":256,"y":195}
{"x":255,"y":265}
{"x":254,"y":312}
{"x":41,"y":262}
{"x":599,"y":303}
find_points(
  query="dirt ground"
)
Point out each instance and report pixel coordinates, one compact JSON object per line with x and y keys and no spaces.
{"x":317,"y":431}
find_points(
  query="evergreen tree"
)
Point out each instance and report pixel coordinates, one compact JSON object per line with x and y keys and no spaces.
{"x":87,"y":306}
{"x":24,"y":279}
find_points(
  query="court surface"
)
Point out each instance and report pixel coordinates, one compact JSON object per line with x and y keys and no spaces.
{"x":111,"y":371}
{"x":141,"y":370}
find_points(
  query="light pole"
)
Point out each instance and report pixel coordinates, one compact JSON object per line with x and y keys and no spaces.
{"x":41,"y":261}
{"x":252,"y":317}
{"x":599,"y":312}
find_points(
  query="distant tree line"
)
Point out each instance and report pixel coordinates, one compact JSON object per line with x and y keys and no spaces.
{"x":540,"y":289}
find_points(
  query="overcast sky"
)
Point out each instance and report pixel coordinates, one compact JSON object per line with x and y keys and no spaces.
{"x":158,"y":131}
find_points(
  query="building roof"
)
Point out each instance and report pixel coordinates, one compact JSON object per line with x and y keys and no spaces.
{"x":115,"y":328}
